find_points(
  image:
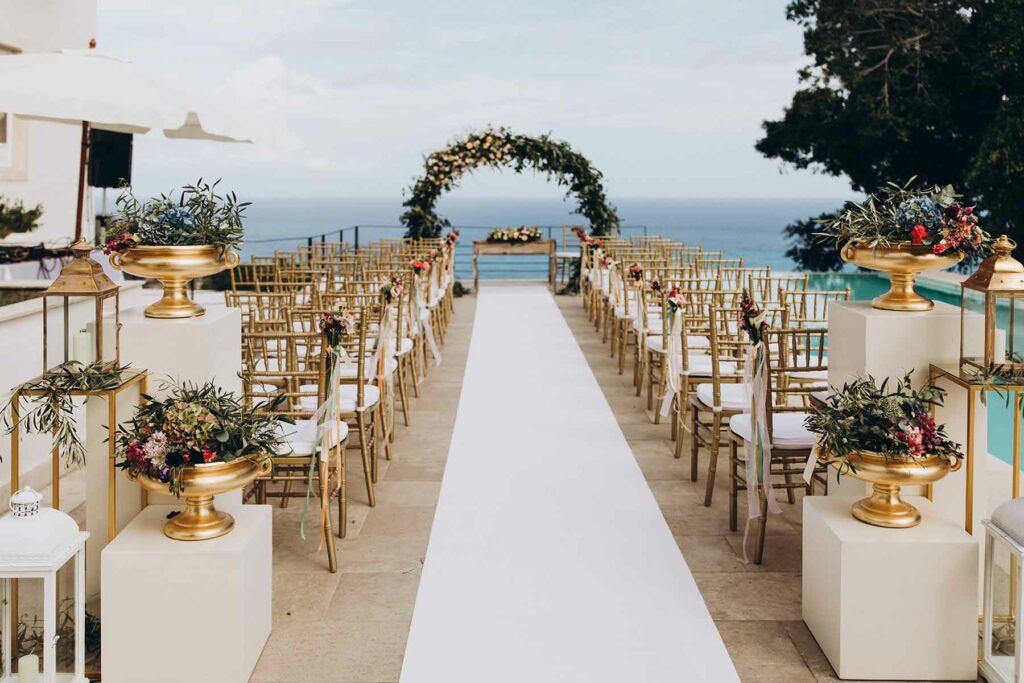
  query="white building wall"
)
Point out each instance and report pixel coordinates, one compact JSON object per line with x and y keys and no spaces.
{"x":42,"y":164}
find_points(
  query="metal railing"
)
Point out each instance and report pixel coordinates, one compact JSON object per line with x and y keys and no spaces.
{"x":490,"y":267}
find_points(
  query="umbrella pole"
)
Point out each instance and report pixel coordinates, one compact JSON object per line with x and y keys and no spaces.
{"x":83,"y":171}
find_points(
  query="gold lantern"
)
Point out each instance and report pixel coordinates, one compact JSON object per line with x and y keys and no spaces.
{"x":995,"y":293}
{"x":83,"y":277}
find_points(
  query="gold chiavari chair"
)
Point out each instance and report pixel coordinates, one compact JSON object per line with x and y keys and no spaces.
{"x":738,"y":278}
{"x":790,"y":442}
{"x":767,"y":290}
{"x":809,"y":307}
{"x":295,"y":390}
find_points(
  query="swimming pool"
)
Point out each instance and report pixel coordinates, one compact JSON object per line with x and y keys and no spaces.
{"x":869,"y":285}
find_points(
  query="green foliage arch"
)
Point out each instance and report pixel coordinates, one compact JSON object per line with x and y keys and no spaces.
{"x":501,"y":148}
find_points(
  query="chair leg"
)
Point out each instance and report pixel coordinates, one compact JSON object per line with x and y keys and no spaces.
{"x":679,"y":420}
{"x":623,"y":345}
{"x":678,"y":408}
{"x":364,"y":449}
{"x":733,"y":491}
{"x":287,"y":492}
{"x":403,"y":390}
{"x":414,"y":367}
{"x":790,"y":493}
{"x":342,"y":495}
{"x":694,"y":442}
{"x":716,"y":438}
{"x":762,"y":523}
{"x":332,"y":552}
{"x":662,"y":382}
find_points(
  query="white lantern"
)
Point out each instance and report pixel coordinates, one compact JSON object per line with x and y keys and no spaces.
{"x":35,"y":542}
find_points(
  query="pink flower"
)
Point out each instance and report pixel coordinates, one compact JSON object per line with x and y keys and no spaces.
{"x":918,"y":234}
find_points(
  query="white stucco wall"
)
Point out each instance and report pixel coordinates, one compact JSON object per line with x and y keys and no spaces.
{"x":44,"y":158}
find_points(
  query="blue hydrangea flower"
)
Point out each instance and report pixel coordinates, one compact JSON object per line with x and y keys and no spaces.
{"x":919,"y":211}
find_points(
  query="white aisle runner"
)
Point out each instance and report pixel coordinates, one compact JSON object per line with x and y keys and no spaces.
{"x":549,"y":560}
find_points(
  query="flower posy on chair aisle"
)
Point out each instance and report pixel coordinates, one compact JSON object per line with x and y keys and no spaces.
{"x":752,"y":320}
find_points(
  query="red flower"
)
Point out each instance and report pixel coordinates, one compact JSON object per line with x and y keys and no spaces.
{"x":918,"y":234}
{"x":941,"y":247}
{"x":208,"y":455}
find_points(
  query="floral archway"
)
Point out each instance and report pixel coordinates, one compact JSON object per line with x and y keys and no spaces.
{"x":501,"y":148}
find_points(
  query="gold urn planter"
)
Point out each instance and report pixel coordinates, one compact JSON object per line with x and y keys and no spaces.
{"x":201,"y":521}
{"x":884,"y":507}
{"x":174,"y":267}
{"x":903,"y":263}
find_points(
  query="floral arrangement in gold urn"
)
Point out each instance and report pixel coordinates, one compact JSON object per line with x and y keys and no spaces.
{"x":905,"y":230}
{"x":176,"y":239}
{"x":197,"y":442}
{"x":887,"y":438}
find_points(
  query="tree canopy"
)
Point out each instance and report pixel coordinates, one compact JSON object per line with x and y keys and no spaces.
{"x":903,"y":88}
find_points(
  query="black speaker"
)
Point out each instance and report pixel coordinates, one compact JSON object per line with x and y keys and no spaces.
{"x":110,"y":158}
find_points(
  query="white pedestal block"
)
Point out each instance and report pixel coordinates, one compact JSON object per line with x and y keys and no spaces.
{"x":220,"y":588}
{"x":890,"y":604}
{"x":97,"y":482}
{"x":864,"y":340}
{"x":197,"y":350}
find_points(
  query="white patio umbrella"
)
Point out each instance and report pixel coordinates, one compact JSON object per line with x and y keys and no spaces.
{"x":94,"y":90}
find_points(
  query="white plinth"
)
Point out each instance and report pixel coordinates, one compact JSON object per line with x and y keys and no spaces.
{"x":864,"y":340}
{"x":890,"y":604}
{"x":195,"y":349}
{"x":198,"y":350}
{"x":213,"y":599}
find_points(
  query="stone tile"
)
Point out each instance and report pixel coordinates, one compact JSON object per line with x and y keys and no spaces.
{"x":781,"y":553}
{"x":709,"y":554}
{"x":332,"y":652}
{"x":382,"y":553}
{"x":417,"y":471}
{"x":763,"y":652}
{"x":370,"y":596}
{"x":751,"y":596}
{"x":399,"y":521}
{"x":303,"y":595}
{"x":407,"y":493}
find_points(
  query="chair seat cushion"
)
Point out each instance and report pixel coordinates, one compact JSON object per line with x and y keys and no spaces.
{"x":700,"y":366}
{"x":346,"y":398}
{"x":809,"y":375}
{"x":693,"y":342}
{"x":300,"y":438}
{"x":788,"y":431}
{"x":1009,"y":517}
{"x":733,"y":396}
{"x":404,"y":346}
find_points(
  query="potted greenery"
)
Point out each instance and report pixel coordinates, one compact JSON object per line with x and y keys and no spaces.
{"x":887,"y":438}
{"x":197,"y":442}
{"x":905,"y":231}
{"x":15,"y":218}
{"x":176,"y":240}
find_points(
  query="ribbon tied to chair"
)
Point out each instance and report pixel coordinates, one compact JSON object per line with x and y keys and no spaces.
{"x":673,"y":362}
{"x":758,"y":448}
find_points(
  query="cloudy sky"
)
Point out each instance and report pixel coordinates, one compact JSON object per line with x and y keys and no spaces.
{"x":345,"y":97}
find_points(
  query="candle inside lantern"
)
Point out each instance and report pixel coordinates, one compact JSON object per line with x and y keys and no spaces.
{"x":82,"y":347}
{"x":28,"y":669}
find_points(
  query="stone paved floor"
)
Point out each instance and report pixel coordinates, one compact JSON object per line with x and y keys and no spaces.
{"x":351,"y":627}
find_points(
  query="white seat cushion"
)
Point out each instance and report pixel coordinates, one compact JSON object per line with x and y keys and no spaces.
{"x":788,"y":431}
{"x":693,"y":342}
{"x":809,"y":375}
{"x":351,"y":370}
{"x":700,"y":366}
{"x":346,"y":399}
{"x":733,"y":396}
{"x":404,"y":346}
{"x":300,"y":437}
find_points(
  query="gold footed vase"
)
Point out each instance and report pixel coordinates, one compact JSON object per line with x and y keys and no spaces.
{"x":903,"y":263}
{"x":884,"y":507}
{"x":174,"y":267}
{"x":200,"y":520}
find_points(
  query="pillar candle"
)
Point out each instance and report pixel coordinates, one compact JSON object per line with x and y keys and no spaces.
{"x":28,"y":669}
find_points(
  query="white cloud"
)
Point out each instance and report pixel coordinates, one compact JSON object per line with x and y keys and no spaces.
{"x":665,"y":96}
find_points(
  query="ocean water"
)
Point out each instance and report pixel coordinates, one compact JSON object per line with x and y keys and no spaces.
{"x":748,"y":228}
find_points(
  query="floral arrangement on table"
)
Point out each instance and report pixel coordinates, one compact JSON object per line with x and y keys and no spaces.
{"x":392,"y":290}
{"x":193,"y":425}
{"x":515,"y":235}
{"x":900,"y":216}
{"x":637,"y":273}
{"x":897,"y":424}
{"x":199,"y":216}
{"x":335,"y":326}
{"x":54,"y":406}
{"x":752,"y":319}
